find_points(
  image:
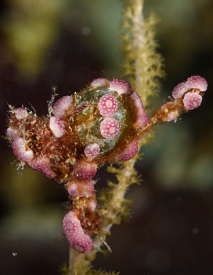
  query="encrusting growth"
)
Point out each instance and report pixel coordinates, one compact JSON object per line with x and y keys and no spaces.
{"x":101,"y":124}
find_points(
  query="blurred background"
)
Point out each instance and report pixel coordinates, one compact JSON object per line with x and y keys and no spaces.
{"x":66,"y":44}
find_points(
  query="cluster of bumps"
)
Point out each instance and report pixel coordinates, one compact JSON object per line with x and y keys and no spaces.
{"x":102,"y":123}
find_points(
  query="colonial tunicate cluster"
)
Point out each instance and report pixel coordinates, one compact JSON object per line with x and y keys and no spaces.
{"x":102,"y":123}
{"x":187,"y":96}
{"x":190,"y":91}
{"x":81,"y":133}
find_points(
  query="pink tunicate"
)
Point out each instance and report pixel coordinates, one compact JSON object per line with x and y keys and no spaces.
{"x":179,"y":90}
{"x":108,"y":105}
{"x":11,"y":133}
{"x":92,"y":150}
{"x":142,"y":118}
{"x":48,"y":172}
{"x":61,"y":105}
{"x":21,"y":113}
{"x":192,"y":100}
{"x":99,"y":82}
{"x":77,"y":188}
{"x":129,"y":152}
{"x":42,"y":163}
{"x":75,"y":233}
{"x":197,"y":82}
{"x":73,"y":190}
{"x":57,"y":126}
{"x":109,"y":127}
{"x":121,"y":87}
{"x":19,"y":149}
{"x":193,"y":82}
{"x":84,"y":170}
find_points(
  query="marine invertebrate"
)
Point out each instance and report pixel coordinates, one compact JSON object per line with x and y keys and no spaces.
{"x":104,"y":123}
{"x":61,"y":105}
{"x":193,"y":82}
{"x":108,"y":105}
{"x":56,"y":126}
{"x":20,"y":150}
{"x":75,"y":234}
{"x":92,"y":150}
{"x":109,"y":127}
{"x":192,"y":100}
{"x":72,"y":147}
